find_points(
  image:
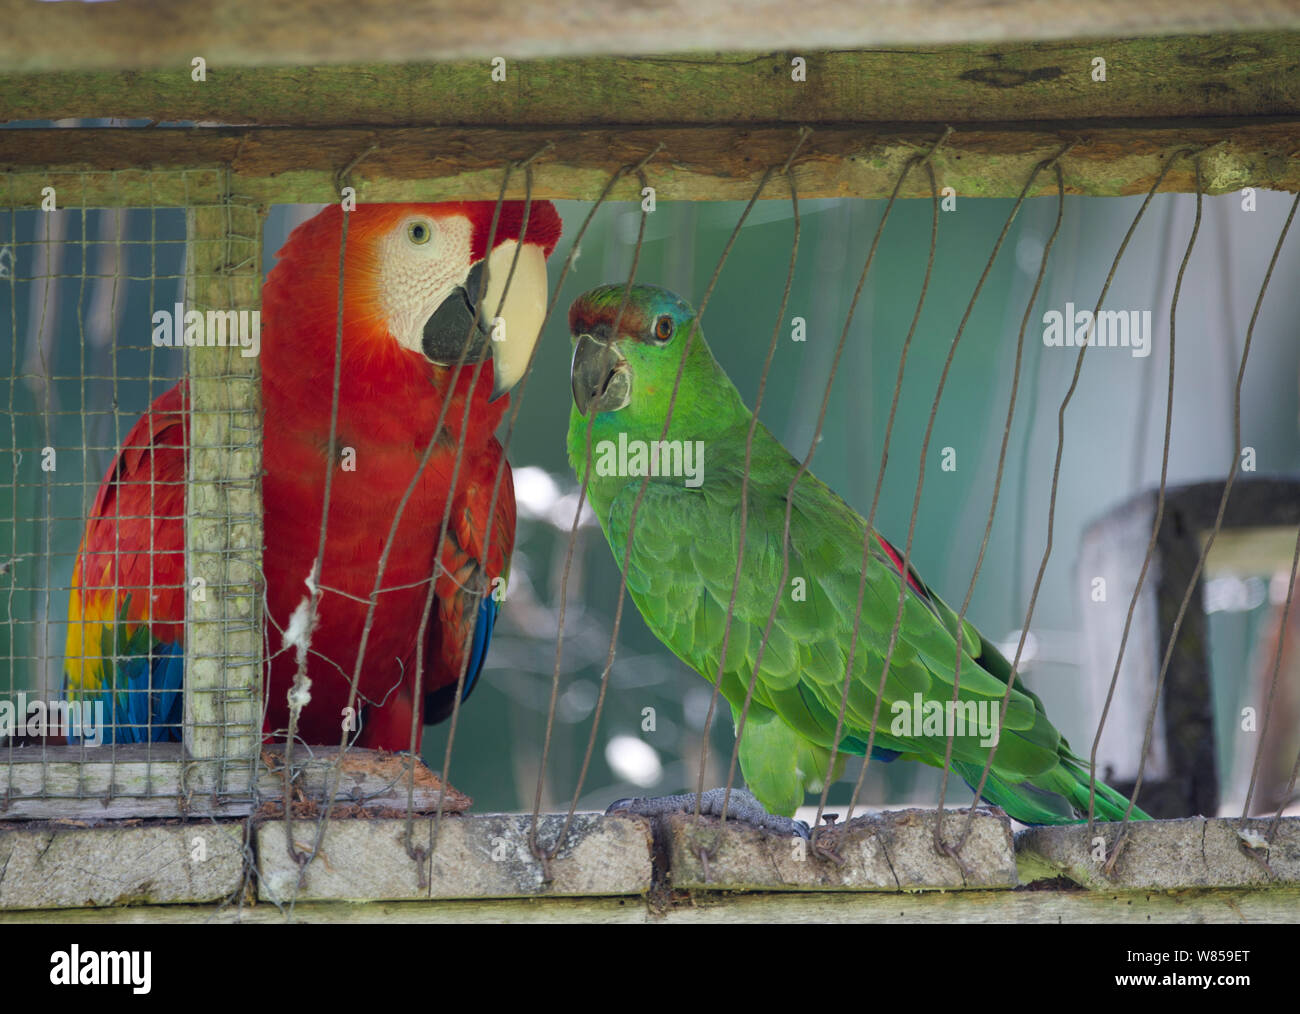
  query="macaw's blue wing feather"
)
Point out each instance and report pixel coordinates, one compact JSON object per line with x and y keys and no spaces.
{"x":142,"y":702}
{"x":487,"y":618}
{"x":438,"y":703}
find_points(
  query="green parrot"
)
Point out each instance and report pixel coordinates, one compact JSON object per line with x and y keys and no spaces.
{"x":683,"y":562}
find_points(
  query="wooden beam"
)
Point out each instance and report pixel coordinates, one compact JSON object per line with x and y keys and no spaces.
{"x":1246,"y":74}
{"x":135,"y":34}
{"x":273,"y":165}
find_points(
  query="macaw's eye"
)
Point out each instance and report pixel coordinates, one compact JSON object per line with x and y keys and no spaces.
{"x":419,"y":233}
{"x":664,"y":328}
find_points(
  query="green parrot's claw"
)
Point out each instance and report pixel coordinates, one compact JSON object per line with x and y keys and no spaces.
{"x":741,"y":807}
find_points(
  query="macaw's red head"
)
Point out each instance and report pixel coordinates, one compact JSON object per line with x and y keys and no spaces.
{"x":422,"y":289}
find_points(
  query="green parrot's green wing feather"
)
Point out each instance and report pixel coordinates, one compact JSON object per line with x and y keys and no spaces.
{"x":681,"y":571}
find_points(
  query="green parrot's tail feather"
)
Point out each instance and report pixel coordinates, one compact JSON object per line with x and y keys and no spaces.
{"x":1110,"y":805}
{"x":1060,"y":797}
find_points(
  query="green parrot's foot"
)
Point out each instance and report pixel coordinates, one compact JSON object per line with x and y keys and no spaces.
{"x":742,"y":807}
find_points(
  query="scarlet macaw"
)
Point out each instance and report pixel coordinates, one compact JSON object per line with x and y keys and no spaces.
{"x":412,"y":277}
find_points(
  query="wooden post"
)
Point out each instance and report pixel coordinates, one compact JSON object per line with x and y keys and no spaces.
{"x":223,"y":530}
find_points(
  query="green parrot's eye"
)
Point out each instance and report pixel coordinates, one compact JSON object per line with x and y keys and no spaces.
{"x":418,"y":233}
{"x":664,"y":328}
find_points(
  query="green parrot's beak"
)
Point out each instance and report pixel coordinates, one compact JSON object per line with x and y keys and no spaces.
{"x":601,"y":376}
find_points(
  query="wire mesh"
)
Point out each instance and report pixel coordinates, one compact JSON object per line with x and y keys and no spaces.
{"x":98,"y":330}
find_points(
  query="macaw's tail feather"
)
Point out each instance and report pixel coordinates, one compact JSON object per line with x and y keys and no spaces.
{"x":1058,"y":797}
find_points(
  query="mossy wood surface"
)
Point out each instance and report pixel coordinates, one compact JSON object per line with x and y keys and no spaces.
{"x":272,"y":165}
{"x":1239,"y":74}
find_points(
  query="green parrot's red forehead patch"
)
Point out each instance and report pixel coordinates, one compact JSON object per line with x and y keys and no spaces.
{"x":595,"y":311}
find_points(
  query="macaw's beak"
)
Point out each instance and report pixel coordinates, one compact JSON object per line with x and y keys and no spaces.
{"x":504,"y":324}
{"x":601,"y":376}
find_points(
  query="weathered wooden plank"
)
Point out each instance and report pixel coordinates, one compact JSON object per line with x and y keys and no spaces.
{"x":223,"y":499}
{"x":248,"y":33}
{"x":1165,"y":855}
{"x":696,"y":163}
{"x":152,"y":781}
{"x":58,"y":867}
{"x":890,"y":851}
{"x":481,"y":855}
{"x":1246,"y":74}
{"x":1234,"y":906}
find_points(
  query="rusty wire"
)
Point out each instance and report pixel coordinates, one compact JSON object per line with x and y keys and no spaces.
{"x":624,"y":563}
{"x":1159,"y":511}
{"x":489,"y":524}
{"x":313,"y":583}
{"x":803,"y":467}
{"x":336,"y":770}
{"x":1056,"y":477}
{"x":639,"y":169}
{"x":1206,"y":544}
{"x":939,"y":844}
{"x":1295,"y":559}
{"x":875,"y":496}
{"x":904,"y":567}
{"x":744,"y":495}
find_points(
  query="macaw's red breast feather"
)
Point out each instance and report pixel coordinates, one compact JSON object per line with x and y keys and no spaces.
{"x":391,"y":499}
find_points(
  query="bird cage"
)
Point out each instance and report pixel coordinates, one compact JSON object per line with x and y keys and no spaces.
{"x":168,"y":207}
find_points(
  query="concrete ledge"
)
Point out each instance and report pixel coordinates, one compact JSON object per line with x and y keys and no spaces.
{"x":1227,"y":905}
{"x":1164,"y":855}
{"x":477,"y":856}
{"x":64,"y":867}
{"x":891,"y":851}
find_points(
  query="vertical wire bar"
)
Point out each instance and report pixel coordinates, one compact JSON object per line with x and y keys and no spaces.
{"x":904,"y":568}
{"x":298,"y":686}
{"x":577,"y":513}
{"x":336,"y":769}
{"x":489,"y":522}
{"x":645,"y":482}
{"x":577,"y":516}
{"x":47,"y":557}
{"x":875,"y":496}
{"x":789,"y":497}
{"x":1207,"y":542}
{"x":1156,"y":520}
{"x":997,"y":479}
{"x":744,"y":498}
{"x":1056,"y":477}
{"x":90,"y":472}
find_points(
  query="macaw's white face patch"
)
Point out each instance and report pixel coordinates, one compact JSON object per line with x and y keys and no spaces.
{"x":421,"y":262}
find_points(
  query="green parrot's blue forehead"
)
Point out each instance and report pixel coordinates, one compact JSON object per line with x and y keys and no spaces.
{"x":594,"y":312}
